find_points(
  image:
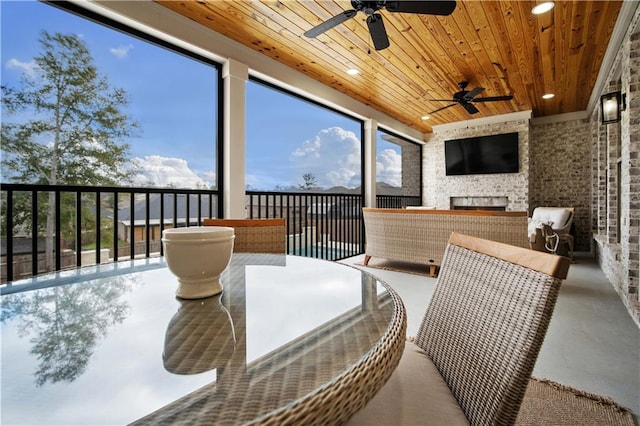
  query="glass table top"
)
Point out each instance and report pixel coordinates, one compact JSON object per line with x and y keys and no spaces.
{"x":113,"y":345}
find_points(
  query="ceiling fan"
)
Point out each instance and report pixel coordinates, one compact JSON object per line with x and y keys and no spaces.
{"x":467,"y":97}
{"x":374,"y":20}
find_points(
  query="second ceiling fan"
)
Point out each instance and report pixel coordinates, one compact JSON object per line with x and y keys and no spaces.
{"x":466,"y":98}
{"x":374,"y":20}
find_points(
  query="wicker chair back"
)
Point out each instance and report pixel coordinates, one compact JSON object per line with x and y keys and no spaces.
{"x":486,"y":322}
{"x":255,"y":235}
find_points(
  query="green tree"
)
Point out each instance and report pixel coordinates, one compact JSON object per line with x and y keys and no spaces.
{"x":74,"y":128}
{"x":310,"y":182}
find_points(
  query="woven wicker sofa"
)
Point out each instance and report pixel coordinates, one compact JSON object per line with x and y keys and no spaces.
{"x":420,"y":236}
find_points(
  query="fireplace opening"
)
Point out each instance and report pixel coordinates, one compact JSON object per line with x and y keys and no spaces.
{"x":490,"y":208}
{"x":491,"y":203}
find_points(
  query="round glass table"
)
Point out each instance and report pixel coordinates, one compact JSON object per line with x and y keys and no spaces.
{"x":290,"y":340}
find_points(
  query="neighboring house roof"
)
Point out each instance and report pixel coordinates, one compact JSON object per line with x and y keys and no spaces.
{"x":139,"y":212}
{"x":208,"y":208}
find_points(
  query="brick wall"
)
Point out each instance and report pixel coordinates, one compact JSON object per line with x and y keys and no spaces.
{"x":411,"y":169}
{"x":560,"y":172}
{"x":616,"y":183}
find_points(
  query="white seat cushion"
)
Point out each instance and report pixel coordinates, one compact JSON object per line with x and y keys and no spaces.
{"x":415,"y":394}
{"x":556,"y":217}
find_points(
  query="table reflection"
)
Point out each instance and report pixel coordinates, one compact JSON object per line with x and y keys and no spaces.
{"x":199,"y":338}
{"x":117,"y":347}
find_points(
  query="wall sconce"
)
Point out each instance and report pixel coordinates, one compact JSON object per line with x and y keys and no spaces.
{"x":611,"y":105}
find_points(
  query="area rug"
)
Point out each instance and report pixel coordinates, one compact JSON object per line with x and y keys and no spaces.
{"x":397,"y":266}
{"x":550,"y":403}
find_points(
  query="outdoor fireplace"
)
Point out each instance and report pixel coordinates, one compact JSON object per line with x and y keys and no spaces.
{"x":493,"y":203}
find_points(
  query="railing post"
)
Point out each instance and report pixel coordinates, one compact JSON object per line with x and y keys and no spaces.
{"x":58,"y":230}
{"x":116,"y":195}
{"x":132,"y":230}
{"x":161,"y":226}
{"x":34,"y":233}
{"x":78,"y":238}
{"x":147,"y":228}
{"x":98,"y":226}
{"x":9,"y":235}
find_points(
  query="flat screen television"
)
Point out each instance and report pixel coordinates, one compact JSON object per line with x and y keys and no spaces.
{"x":482,"y":155}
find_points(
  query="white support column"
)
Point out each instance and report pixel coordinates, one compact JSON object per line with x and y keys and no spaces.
{"x":235,"y":76}
{"x":369,"y":158}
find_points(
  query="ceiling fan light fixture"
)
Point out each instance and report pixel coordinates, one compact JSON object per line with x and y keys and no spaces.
{"x":466,"y":98}
{"x":548,"y":96}
{"x":374,"y":19}
{"x":542,"y":8}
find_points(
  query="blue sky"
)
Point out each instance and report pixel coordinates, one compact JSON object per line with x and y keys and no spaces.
{"x":286,"y":138}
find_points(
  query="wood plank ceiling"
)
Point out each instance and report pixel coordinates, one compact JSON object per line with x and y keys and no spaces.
{"x":498,"y":45}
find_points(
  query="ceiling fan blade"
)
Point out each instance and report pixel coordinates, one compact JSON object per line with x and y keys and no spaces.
{"x":442,"y":8}
{"x":330,"y":23}
{"x":494,"y":98}
{"x":440,"y":109}
{"x":473,"y":93}
{"x":471,"y":109}
{"x":378,"y":32}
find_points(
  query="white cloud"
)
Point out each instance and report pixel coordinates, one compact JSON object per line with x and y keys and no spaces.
{"x":389,"y":167}
{"x":252,"y":181}
{"x":121,"y":52}
{"x":157,"y":171}
{"x":29,"y":68}
{"x":332,"y":156}
{"x":209,"y":177}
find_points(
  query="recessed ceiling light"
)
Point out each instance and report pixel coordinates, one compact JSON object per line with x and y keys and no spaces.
{"x":548,"y":96}
{"x":542,"y":8}
{"x":353,"y":71}
{"x":426,"y":117}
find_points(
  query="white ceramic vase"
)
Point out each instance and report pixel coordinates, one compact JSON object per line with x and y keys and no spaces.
{"x":197,"y":256}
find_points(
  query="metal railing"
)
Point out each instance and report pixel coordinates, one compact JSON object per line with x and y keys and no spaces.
{"x":55,"y":227}
{"x":319,"y":224}
{"x":51,"y":228}
{"x":397,"y":201}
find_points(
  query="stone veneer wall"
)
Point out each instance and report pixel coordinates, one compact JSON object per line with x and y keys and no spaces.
{"x":559,"y":172}
{"x":616,"y":216}
{"x":411,"y":169}
{"x":439,"y":188}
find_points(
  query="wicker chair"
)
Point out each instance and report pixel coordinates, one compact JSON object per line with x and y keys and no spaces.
{"x":479,"y":339}
{"x":556,"y":222}
{"x":255,"y":235}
